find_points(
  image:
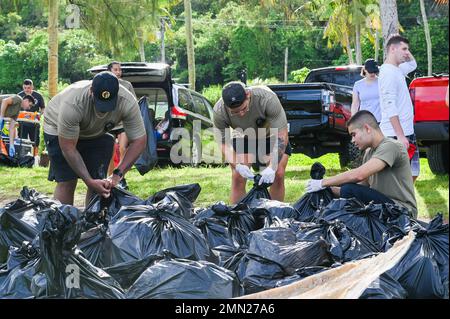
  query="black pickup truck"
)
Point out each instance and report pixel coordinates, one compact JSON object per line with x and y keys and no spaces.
{"x":318,"y":111}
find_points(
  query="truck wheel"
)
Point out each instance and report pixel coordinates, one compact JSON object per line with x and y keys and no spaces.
{"x":350,"y":156}
{"x":437,"y":155}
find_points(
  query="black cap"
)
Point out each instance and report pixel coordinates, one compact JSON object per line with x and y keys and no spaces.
{"x":371,"y":66}
{"x":105,"y":87}
{"x":233,"y":94}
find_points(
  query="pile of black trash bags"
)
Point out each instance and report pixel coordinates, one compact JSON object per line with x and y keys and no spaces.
{"x":164,"y":247}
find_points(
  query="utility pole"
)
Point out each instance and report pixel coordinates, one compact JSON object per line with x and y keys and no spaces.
{"x":53,"y":48}
{"x":189,"y":43}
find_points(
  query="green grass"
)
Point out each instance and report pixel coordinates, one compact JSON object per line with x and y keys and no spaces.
{"x":431,"y":190}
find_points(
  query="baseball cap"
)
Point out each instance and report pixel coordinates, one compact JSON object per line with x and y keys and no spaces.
{"x":233,"y":94}
{"x":105,"y":87}
{"x":371,"y":66}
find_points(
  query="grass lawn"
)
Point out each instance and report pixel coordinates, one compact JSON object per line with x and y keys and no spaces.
{"x":431,"y":190}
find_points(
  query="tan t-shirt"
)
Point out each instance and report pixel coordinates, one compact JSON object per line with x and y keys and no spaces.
{"x":72,"y":114}
{"x":395,"y":180}
{"x":264,"y":104}
{"x":13,"y":109}
{"x":128,"y":86}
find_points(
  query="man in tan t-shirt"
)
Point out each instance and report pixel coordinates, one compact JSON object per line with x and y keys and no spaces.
{"x":10,"y":106}
{"x":77,"y":122}
{"x":385,"y":175}
{"x":260,"y":137}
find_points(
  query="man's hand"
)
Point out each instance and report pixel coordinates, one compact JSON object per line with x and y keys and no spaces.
{"x":267,"y":176}
{"x":404,"y":141}
{"x":244,"y":171}
{"x":113,"y":180}
{"x":314,"y":185}
{"x":12,"y":150}
{"x":100,"y":186}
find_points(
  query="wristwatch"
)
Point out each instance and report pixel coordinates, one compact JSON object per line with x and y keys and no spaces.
{"x":118,"y":172}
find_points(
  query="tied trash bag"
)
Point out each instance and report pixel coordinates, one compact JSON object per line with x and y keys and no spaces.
{"x":140,"y":231}
{"x":369,"y":221}
{"x":310,"y":204}
{"x":17,"y":274}
{"x":215,"y":231}
{"x":232,"y":258}
{"x":101,"y":209}
{"x":21,"y":220}
{"x":423,"y":270}
{"x":384,"y":287}
{"x":184,"y":195}
{"x":239,"y":220}
{"x":345,"y":244}
{"x":274,"y":254}
{"x":265,"y":210}
{"x":184,"y":279}
{"x":149,"y":157}
{"x":68,"y":274}
{"x":257,"y":192}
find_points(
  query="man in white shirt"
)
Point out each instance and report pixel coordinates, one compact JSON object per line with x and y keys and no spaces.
{"x":397,"y":113}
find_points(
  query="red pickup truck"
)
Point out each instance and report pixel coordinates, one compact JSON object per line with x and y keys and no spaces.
{"x":431,"y":116}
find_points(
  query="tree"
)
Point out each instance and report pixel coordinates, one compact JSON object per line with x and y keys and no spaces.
{"x":389,"y":20}
{"x":53,"y":47}
{"x":189,"y":43}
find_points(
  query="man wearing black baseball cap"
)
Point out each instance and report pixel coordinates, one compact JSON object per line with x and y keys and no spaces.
{"x":77,"y":122}
{"x":260,"y":137}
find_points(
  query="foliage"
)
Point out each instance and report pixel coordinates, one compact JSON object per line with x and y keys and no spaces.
{"x":299,"y":76}
{"x":212,"y":93}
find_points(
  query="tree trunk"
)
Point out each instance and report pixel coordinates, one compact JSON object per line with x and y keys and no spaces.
{"x":348,"y":48}
{"x":163,"y":44}
{"x":286,"y":57}
{"x":140,"y":36}
{"x":389,"y":20}
{"x":427,"y":37}
{"x":358,"y":44}
{"x":53,"y":48}
{"x":377,"y":44}
{"x":189,"y":43}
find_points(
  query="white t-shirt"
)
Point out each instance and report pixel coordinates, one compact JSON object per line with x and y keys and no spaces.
{"x":369,"y":96}
{"x":394,"y":97}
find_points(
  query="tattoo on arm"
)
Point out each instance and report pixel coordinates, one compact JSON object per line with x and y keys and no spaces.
{"x":279,"y":148}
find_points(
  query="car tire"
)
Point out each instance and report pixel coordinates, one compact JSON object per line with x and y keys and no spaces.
{"x":196,"y":154}
{"x":437,"y":155}
{"x":350,"y":156}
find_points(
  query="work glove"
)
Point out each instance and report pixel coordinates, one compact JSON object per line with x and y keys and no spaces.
{"x":12,"y":150}
{"x":267,"y":176}
{"x":244,"y":171}
{"x":314,"y":185}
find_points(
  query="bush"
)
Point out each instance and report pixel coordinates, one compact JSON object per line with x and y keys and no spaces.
{"x":212,"y":93}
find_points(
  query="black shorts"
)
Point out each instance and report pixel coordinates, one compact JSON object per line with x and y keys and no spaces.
{"x":242,"y":146}
{"x":96,"y":154}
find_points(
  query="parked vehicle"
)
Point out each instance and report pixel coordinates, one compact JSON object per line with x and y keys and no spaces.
{"x":318,"y":111}
{"x":176,"y":105}
{"x":431,"y":117}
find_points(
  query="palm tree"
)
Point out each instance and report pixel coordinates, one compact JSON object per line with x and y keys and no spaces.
{"x":53,"y":47}
{"x":389,"y":20}
{"x":427,"y":37}
{"x":189,"y":43}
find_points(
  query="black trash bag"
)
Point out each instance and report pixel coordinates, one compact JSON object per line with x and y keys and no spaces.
{"x":68,"y":273}
{"x":274,"y":253}
{"x":23,"y":161}
{"x":300,"y":274}
{"x":22,"y":219}
{"x":17,"y":273}
{"x":384,"y":287}
{"x":345,"y":244}
{"x":149,"y":157}
{"x":310,"y":204}
{"x":239,"y":220}
{"x":185,"y":207}
{"x":265,"y":210}
{"x":366,"y":220}
{"x":101,"y":209}
{"x":140,"y":231}
{"x":215,"y":231}
{"x":423,"y":270}
{"x":189,"y":191}
{"x":257,"y":192}
{"x":184,"y":279}
{"x":232,"y":258}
